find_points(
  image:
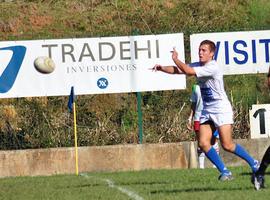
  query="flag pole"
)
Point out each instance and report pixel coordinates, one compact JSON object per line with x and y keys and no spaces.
{"x":72,"y":108}
{"x":75,"y":138}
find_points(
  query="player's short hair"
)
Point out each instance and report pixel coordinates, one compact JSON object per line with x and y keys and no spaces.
{"x":211,"y":45}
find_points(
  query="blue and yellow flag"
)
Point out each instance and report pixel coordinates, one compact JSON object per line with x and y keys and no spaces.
{"x":71,"y":99}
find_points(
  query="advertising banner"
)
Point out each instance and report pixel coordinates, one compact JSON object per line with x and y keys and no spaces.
{"x":237,"y":52}
{"x":92,"y":65}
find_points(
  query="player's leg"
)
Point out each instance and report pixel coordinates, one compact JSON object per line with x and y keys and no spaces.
{"x":215,"y":146}
{"x":205,"y":143}
{"x":224,"y":122}
{"x":205,"y":136}
{"x":265,"y":162}
{"x":200,"y":153}
{"x":225,"y":133}
{"x":259,"y":176}
{"x":201,"y":157}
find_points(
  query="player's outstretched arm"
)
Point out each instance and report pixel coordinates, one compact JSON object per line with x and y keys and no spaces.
{"x":166,"y":69}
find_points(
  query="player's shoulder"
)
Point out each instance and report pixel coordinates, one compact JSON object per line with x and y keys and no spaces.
{"x":212,"y":63}
{"x":213,"y":66}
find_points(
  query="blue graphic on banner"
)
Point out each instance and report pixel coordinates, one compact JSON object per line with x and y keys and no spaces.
{"x":102,"y":83}
{"x":10,"y":73}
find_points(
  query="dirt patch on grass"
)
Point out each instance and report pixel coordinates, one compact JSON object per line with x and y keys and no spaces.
{"x":39,"y":22}
{"x":11,"y":26}
{"x":28,"y":18}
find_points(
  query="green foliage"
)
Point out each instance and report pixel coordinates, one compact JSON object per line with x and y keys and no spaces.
{"x":259,"y":16}
{"x":112,"y":119}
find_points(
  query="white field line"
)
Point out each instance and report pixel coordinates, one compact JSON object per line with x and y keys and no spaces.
{"x":111,"y":184}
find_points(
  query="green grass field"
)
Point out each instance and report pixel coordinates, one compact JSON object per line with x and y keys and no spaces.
{"x":149,"y":184}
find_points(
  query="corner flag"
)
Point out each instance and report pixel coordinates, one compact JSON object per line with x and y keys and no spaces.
{"x":72,"y":108}
{"x":71,"y":99}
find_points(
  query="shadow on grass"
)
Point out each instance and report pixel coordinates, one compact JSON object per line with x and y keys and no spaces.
{"x":201,"y":189}
{"x":145,"y":183}
{"x":84,"y":185}
{"x":119,"y":184}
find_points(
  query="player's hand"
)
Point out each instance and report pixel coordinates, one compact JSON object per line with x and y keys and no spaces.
{"x":157,"y":67}
{"x":174,"y":54}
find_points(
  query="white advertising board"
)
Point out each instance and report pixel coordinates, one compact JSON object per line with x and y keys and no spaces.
{"x":237,"y":52}
{"x":259,"y":117}
{"x":91,"y":65}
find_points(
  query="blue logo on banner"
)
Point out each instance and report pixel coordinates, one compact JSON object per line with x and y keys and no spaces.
{"x":102,"y":83}
{"x":10,"y":73}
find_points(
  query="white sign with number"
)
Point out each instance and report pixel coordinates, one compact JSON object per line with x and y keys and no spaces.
{"x":259,"y":117}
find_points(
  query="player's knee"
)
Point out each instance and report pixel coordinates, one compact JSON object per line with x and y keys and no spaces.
{"x":204,"y":145}
{"x":228,"y":147}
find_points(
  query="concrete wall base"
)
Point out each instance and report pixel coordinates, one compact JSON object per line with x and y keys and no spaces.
{"x":116,"y":158}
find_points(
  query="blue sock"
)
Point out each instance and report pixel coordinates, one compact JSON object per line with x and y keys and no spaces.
{"x":216,"y":160}
{"x":242,"y":153}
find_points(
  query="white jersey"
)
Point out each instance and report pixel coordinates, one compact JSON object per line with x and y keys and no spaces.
{"x":210,"y":80}
{"x":197,"y":99}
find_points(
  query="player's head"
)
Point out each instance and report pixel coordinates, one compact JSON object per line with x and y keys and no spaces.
{"x":206,"y":51}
